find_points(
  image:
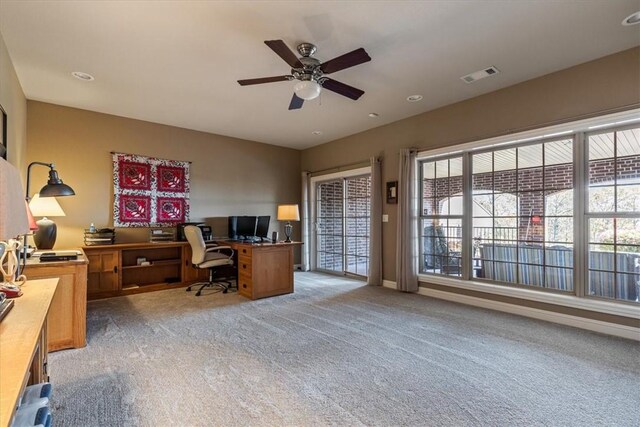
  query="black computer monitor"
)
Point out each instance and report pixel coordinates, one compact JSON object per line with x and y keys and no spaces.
{"x":246,"y":226}
{"x":262,"y":228}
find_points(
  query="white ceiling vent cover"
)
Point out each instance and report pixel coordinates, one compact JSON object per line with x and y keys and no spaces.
{"x":470,"y":78}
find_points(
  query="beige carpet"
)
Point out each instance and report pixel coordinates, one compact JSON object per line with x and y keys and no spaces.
{"x":337,"y":352}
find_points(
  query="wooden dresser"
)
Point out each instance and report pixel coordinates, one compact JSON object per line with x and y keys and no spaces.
{"x":23,"y":344}
{"x":264,"y":269}
{"x":68,"y":314}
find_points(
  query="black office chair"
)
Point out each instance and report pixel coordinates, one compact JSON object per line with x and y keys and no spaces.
{"x":207,"y":256}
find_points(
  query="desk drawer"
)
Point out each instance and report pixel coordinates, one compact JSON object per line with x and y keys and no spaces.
{"x":244,"y":251}
{"x":245,"y":286}
{"x":244,"y":265}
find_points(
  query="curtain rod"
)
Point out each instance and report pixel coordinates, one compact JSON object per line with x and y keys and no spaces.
{"x":158,"y":158}
{"x":341,"y":168}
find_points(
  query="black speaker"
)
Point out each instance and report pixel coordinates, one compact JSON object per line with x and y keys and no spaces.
{"x":274,"y":237}
{"x":233,"y":227}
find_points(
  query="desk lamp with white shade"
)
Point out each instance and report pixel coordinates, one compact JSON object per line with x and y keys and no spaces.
{"x":55,"y":187}
{"x":47,"y":232}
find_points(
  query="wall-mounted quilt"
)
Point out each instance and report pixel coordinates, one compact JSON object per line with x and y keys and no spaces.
{"x":149,"y":191}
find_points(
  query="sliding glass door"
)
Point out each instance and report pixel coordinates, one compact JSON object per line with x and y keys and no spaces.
{"x":342,"y":225}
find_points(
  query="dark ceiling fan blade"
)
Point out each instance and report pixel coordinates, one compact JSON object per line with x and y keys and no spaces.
{"x":342,"y":89}
{"x":263,"y":80}
{"x":296,"y":102}
{"x":347,"y":60}
{"x":283,"y":51}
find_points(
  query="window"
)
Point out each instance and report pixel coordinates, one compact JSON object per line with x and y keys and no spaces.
{"x":523,"y":233}
{"x":524,"y":229}
{"x":613,"y":214}
{"x":442,"y":207}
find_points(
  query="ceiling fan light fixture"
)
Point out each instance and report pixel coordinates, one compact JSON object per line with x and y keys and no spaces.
{"x":307,"y":89}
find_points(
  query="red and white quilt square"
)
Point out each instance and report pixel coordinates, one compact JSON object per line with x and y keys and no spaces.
{"x":134,"y":175}
{"x":135,"y":209}
{"x":170,"y":209}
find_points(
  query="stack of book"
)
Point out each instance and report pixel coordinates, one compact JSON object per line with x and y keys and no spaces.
{"x":161,"y":235}
{"x":101,"y":236}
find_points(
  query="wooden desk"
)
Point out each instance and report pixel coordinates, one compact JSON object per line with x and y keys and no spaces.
{"x":23,"y":344}
{"x":264,"y":269}
{"x":68,"y":315}
{"x":113,"y":269}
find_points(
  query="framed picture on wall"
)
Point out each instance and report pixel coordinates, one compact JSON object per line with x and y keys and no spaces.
{"x":392,"y":192}
{"x":3,"y":133}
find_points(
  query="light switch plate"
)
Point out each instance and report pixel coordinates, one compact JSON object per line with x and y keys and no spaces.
{"x":385,"y":218}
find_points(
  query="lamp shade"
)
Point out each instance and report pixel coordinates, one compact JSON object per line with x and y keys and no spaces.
{"x":45,"y":206}
{"x":13,"y":215}
{"x":55,"y":187}
{"x":288,"y":213}
{"x":307,"y":89}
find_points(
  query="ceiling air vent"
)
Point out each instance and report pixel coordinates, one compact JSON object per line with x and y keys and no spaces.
{"x":470,"y":78}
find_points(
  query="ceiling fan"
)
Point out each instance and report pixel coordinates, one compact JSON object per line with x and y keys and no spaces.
{"x":311,"y":73}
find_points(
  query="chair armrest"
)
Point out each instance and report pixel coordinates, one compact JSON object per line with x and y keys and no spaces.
{"x":218,"y":248}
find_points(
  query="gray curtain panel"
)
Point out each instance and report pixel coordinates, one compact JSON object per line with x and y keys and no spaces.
{"x":407,"y":244}
{"x":306,"y":223}
{"x":375,"y":226}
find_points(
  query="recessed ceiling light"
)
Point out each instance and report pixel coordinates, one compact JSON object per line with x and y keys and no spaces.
{"x":373,"y":115}
{"x":317,"y":132}
{"x":632,"y":19}
{"x":83,"y":76}
{"x":414,"y":98}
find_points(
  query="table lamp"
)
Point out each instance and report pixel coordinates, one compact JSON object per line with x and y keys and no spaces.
{"x":288,"y":213}
{"x":47,"y":232}
{"x":55,"y":187}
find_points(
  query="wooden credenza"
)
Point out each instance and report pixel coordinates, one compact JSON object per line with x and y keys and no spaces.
{"x":68,"y":315}
{"x":264,"y":269}
{"x":23,"y":344}
{"x":114,"y":271}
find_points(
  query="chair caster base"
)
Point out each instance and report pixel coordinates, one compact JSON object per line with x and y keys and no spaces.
{"x":198,"y":293}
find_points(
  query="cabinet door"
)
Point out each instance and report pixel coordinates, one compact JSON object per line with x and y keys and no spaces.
{"x":189,"y":273}
{"x":67,"y":315}
{"x":103,"y":271}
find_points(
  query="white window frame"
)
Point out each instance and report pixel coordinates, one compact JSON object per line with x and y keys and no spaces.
{"x":579,"y":129}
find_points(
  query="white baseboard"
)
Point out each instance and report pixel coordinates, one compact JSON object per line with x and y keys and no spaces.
{"x":623,"y":331}
{"x":565,"y":319}
{"x":389,"y":284}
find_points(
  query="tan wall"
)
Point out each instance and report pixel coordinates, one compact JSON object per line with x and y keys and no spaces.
{"x":14,"y":103}
{"x":228,"y":176}
{"x":604,"y":85}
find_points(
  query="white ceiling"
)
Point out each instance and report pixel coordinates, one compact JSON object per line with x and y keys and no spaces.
{"x":177,"y":62}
